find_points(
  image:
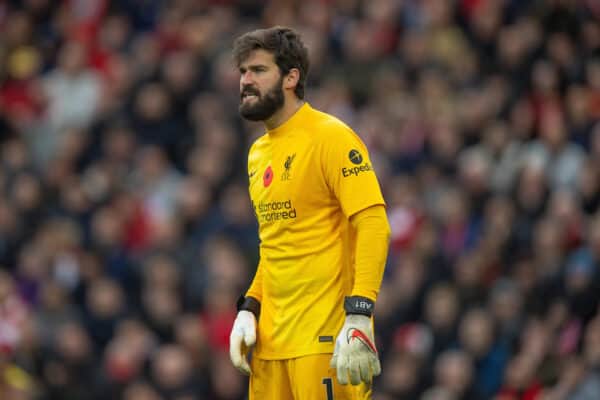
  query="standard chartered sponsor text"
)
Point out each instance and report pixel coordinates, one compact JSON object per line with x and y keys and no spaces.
{"x":268,"y":211}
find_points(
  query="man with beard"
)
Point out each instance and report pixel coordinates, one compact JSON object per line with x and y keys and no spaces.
{"x":324,"y":236}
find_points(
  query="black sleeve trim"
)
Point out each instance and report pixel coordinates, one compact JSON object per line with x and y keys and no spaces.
{"x":249,"y":304}
{"x":359,"y":305}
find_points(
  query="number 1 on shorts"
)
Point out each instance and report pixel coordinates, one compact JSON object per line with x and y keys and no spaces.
{"x":329,"y":387}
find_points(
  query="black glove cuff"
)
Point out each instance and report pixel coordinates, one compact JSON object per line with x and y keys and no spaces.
{"x":249,"y":304}
{"x":359,"y":305}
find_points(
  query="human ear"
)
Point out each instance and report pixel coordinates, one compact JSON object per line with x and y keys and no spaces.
{"x":291,"y":79}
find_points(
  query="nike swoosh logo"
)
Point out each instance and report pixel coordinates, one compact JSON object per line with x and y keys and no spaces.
{"x":251,"y":174}
{"x":361,"y":337}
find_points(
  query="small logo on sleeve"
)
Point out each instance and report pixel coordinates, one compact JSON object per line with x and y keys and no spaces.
{"x":355,"y":157}
{"x":354,"y":171}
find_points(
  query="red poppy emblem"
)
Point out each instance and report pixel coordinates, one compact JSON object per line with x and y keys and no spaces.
{"x":268,"y":176}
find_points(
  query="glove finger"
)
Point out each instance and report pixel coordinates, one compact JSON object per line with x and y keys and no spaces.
{"x":245,"y":367}
{"x":354,"y":371}
{"x":342,"y":371}
{"x":365,"y":370}
{"x":235,"y":350}
{"x":376,"y":366}
{"x":250,"y":336}
{"x":333,"y":362}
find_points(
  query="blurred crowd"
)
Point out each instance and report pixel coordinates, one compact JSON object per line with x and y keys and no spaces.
{"x":126,"y":232}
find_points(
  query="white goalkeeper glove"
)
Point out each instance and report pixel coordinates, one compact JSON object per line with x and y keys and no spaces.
{"x":242,"y":338}
{"x":355,"y":355}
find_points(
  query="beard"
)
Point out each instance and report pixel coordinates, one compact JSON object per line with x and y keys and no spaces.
{"x":264,"y":106}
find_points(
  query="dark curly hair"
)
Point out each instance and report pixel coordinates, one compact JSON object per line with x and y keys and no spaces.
{"x":286,"y":46}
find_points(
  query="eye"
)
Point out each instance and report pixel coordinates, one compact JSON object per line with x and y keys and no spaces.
{"x":259,"y":69}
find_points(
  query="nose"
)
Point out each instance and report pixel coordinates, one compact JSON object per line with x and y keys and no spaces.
{"x":246,"y":78}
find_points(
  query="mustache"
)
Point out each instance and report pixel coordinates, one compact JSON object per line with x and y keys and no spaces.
{"x":249,"y":90}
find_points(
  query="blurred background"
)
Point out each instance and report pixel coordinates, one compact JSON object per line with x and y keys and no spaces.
{"x":126,"y":232}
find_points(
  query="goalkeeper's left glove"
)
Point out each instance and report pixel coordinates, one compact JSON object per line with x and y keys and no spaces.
{"x":355,"y":355}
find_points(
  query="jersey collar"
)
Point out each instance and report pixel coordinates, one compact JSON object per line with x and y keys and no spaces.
{"x":296,"y":120}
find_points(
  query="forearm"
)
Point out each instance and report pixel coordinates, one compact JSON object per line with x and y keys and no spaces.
{"x":355,"y":356}
{"x":372,"y":240}
{"x":253,"y":297}
{"x":255,"y":289}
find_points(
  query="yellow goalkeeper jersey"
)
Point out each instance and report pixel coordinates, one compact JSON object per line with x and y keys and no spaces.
{"x":307,"y":177}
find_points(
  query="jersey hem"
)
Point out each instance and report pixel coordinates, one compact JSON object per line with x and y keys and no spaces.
{"x":287,"y":356}
{"x":361,"y":207}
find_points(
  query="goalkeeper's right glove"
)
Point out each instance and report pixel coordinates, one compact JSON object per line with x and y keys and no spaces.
{"x":243,"y":333}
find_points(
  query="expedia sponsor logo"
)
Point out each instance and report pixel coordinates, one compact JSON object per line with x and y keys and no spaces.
{"x":354,"y":171}
{"x":274,"y":210}
{"x":355,"y":156}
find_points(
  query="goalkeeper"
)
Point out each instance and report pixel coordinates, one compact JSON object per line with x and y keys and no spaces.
{"x":324,"y":236}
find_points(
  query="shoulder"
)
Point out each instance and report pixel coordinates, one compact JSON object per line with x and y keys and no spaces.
{"x":325,"y":120}
{"x":257,"y":148}
{"x":259,"y":143}
{"x":332,"y":130}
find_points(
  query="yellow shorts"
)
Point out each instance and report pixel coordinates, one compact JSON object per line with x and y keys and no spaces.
{"x":303,"y":378}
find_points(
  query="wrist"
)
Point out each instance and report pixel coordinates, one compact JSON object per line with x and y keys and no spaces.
{"x":246,"y":316}
{"x":358,"y":305}
{"x":358,"y":320}
{"x":249,"y":304}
